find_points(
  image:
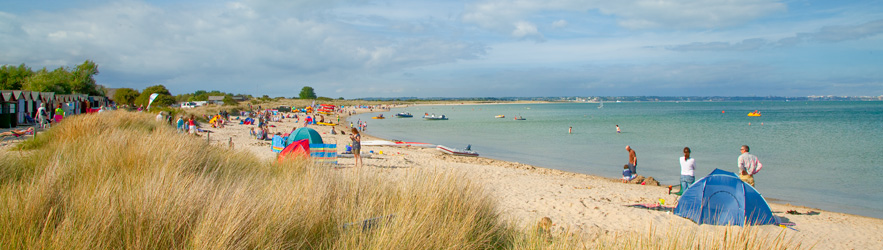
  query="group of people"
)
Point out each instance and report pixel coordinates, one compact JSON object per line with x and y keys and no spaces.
{"x":189,"y":126}
{"x":748,"y":165}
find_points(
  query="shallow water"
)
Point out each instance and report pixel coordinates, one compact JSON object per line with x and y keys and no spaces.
{"x":818,"y":154}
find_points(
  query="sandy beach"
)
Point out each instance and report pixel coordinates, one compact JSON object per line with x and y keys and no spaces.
{"x":585,"y":205}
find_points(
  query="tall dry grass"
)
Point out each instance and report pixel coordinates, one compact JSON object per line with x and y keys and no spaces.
{"x":119,"y":180}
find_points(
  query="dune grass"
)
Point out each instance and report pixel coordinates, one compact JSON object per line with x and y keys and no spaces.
{"x":120,"y":180}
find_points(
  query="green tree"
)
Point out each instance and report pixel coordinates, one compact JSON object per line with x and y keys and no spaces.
{"x":164,"y":99}
{"x":125,"y":96}
{"x":307,"y":93}
{"x":44,"y":81}
{"x":228,"y":100}
{"x":83,"y":79}
{"x":13,"y":78}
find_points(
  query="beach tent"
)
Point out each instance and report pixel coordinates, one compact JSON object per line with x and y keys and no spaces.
{"x":296,"y":149}
{"x":721,"y":198}
{"x":278,"y":144}
{"x":305,"y":133}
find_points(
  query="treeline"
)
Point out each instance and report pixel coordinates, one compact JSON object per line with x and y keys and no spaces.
{"x":63,"y":80}
{"x":132,"y":97}
{"x":202,"y":95}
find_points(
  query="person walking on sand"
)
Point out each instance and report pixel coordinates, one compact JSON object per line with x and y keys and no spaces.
{"x":749,"y":165}
{"x":633,"y":160}
{"x":688,"y":166}
{"x":357,"y":146}
{"x":617,"y":129}
{"x":42,"y":116}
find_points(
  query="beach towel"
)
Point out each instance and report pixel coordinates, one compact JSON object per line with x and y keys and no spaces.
{"x":278,"y":144}
{"x":324,"y":153}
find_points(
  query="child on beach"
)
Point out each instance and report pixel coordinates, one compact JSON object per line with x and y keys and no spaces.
{"x":626,"y":173}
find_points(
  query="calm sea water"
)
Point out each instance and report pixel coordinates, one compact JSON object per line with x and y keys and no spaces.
{"x":819,"y":154}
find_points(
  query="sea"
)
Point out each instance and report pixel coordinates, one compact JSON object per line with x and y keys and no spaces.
{"x":819,"y":154}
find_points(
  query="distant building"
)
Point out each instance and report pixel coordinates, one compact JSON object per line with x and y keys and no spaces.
{"x":216,"y":99}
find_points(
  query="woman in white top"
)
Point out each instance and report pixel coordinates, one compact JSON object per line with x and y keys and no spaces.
{"x":688,"y":165}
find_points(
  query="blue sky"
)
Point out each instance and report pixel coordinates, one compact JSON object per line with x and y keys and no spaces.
{"x":497,"y":48}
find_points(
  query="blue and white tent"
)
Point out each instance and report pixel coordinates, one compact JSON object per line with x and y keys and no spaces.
{"x":721,"y":198}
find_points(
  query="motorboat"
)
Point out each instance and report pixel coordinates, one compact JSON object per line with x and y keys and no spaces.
{"x":500,"y":116}
{"x":456,"y":151}
{"x":519,"y":118}
{"x":433,"y":117}
{"x":404,"y":115}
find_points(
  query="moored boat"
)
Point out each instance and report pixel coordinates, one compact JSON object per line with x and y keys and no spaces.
{"x":404,"y":115}
{"x":433,"y":117}
{"x":457,"y":151}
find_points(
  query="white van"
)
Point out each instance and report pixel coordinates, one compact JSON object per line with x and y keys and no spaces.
{"x":188,"y":105}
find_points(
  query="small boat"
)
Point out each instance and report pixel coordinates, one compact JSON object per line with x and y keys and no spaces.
{"x":500,"y":116}
{"x":521,"y":118}
{"x":434,"y":118}
{"x":326,"y":124}
{"x":456,"y":151}
{"x":755,"y":113}
{"x":380,"y":116}
{"x":404,"y":115}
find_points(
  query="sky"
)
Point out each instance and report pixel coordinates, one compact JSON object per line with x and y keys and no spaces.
{"x":459,"y":48}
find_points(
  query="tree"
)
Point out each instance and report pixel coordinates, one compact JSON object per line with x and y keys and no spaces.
{"x":13,"y":78}
{"x":307,"y":93}
{"x":228,"y":100}
{"x":45,"y":81}
{"x":125,"y":96}
{"x":164,"y":99}
{"x":83,"y":79}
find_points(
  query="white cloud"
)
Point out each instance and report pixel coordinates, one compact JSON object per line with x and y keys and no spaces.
{"x":559,"y":24}
{"x":526,"y":30}
{"x":138,"y":44}
{"x":632,"y":14}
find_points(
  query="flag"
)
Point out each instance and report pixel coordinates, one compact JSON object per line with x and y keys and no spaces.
{"x":152,"y":97}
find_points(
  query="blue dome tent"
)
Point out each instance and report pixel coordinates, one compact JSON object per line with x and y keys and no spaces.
{"x":304,"y":133}
{"x":721,"y":198}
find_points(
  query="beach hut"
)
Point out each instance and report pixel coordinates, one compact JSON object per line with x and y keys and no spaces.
{"x":304,"y":133}
{"x":9,"y":100}
{"x":721,"y":198}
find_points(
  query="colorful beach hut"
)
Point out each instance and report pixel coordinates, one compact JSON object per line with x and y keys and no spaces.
{"x":721,"y":198}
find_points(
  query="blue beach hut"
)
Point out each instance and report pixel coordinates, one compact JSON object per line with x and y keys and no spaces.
{"x":721,"y":198}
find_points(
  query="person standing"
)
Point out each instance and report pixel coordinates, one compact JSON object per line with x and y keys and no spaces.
{"x":192,"y":125}
{"x":688,"y":166}
{"x":42,"y":116}
{"x":180,"y":124}
{"x":357,"y":146}
{"x":59,"y":113}
{"x":748,"y":165}
{"x":633,"y":160}
{"x":570,"y":130}
{"x":617,"y":129}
